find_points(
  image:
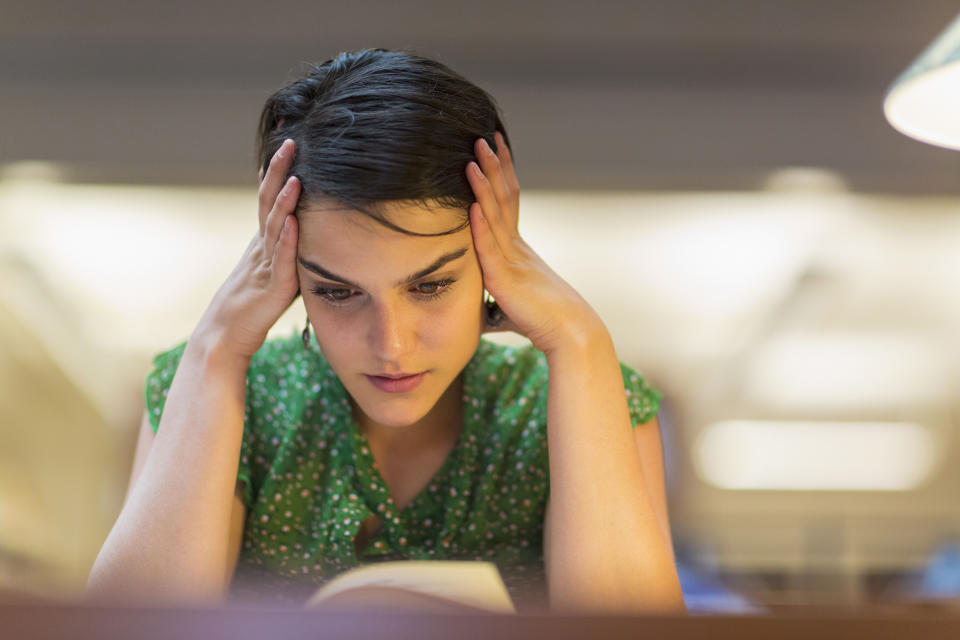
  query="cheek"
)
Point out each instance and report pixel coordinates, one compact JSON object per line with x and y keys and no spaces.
{"x":333,"y":325}
{"x":460,"y":313}
{"x":446,"y":328}
{"x":336,"y":332}
{"x":459,"y":327}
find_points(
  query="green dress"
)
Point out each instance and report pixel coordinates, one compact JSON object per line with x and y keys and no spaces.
{"x":309,"y":479}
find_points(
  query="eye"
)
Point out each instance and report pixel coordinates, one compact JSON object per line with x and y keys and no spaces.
{"x":339,"y":294}
{"x":331,"y":294}
{"x":432,"y":290}
{"x":428,"y":287}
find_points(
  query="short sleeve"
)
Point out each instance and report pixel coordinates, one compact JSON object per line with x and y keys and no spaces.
{"x":157,"y":387}
{"x":643,"y":401}
{"x":159,"y":380}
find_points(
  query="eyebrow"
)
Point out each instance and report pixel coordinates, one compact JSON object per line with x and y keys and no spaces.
{"x":433,"y":266}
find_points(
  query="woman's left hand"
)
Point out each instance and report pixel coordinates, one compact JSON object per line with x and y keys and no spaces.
{"x":538,"y":303}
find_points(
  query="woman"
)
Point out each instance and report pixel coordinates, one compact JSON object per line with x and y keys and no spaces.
{"x":388,"y":197}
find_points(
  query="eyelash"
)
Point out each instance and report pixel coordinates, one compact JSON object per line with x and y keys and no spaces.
{"x":325,"y":292}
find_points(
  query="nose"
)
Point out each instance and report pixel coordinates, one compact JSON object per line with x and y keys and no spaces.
{"x":392,"y":335}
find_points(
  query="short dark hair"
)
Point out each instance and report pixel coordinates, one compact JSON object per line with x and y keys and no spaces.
{"x":377,"y":125}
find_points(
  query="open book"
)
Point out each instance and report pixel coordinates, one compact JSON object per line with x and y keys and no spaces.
{"x":423,"y":586}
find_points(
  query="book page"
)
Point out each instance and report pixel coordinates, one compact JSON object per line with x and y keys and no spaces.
{"x":473,"y":584}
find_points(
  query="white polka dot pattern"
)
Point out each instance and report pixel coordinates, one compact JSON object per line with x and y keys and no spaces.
{"x":310,"y":479}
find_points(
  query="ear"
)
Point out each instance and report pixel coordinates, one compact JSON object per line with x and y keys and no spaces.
{"x":493,"y":316}
{"x":505,"y":325}
{"x":494,"y":319}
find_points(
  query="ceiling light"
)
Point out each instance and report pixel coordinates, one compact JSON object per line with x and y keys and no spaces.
{"x":924,"y":102}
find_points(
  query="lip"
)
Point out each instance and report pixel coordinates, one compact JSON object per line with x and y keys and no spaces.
{"x":396,"y":383}
{"x":393,"y":376}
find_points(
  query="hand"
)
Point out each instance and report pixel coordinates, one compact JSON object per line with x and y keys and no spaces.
{"x":537,"y":302}
{"x":264,"y":283}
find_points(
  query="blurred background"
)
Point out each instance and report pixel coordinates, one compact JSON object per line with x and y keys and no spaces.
{"x":716,"y":177}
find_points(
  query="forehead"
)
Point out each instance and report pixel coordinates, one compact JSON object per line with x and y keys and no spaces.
{"x":341,"y":238}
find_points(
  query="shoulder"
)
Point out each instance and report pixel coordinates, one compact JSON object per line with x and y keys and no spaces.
{"x":507,"y":370}
{"x":159,"y":379}
{"x":515,"y":379}
{"x":283,"y":360}
{"x":643,"y":399}
{"x":280,"y":372}
{"x":505,"y":391}
{"x":284,"y":378}
{"x":277,"y":357}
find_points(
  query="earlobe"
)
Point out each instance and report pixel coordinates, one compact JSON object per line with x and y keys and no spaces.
{"x":494,"y":315}
{"x":491,"y":311}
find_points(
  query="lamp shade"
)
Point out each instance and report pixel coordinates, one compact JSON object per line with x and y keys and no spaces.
{"x":924,"y":102}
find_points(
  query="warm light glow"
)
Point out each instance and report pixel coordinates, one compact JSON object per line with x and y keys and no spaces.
{"x":122,"y":261}
{"x":814,"y":456}
{"x":848,"y":369}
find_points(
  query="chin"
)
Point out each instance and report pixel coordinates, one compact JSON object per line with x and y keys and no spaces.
{"x":394,"y":413}
{"x":396,"y":409}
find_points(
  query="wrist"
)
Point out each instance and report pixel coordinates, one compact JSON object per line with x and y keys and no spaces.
{"x":581,"y":336}
{"x":209,"y":344}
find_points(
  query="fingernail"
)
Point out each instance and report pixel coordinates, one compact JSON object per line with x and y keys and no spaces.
{"x":487,"y":146}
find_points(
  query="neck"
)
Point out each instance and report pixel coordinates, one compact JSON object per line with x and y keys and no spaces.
{"x":442,"y":424}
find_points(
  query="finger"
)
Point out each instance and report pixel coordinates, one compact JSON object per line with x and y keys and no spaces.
{"x":490,"y":165}
{"x":284,"y":252}
{"x":284,"y":268}
{"x":488,"y":250}
{"x":274,"y":180}
{"x":506,"y":164}
{"x":488,"y":253}
{"x":260,"y":176}
{"x":492,"y":214}
{"x":284,"y":205}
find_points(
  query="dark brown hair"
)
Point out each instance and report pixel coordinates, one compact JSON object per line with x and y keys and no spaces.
{"x":375,"y":125}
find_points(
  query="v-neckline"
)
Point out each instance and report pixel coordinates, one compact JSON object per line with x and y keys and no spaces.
{"x":453,"y":480}
{"x":381,"y":492}
{"x":394,"y":522}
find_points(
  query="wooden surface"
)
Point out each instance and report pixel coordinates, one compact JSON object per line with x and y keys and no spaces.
{"x":39,"y":620}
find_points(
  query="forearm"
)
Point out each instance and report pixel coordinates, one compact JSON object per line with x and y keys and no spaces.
{"x":607,"y":549}
{"x":170,"y":540}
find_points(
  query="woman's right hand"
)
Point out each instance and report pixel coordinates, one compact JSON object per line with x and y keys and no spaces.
{"x":264,"y":283}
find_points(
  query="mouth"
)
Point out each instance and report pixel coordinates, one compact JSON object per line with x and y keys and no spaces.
{"x":396,"y":383}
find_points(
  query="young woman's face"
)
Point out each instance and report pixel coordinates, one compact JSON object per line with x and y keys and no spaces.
{"x":397,"y":316}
